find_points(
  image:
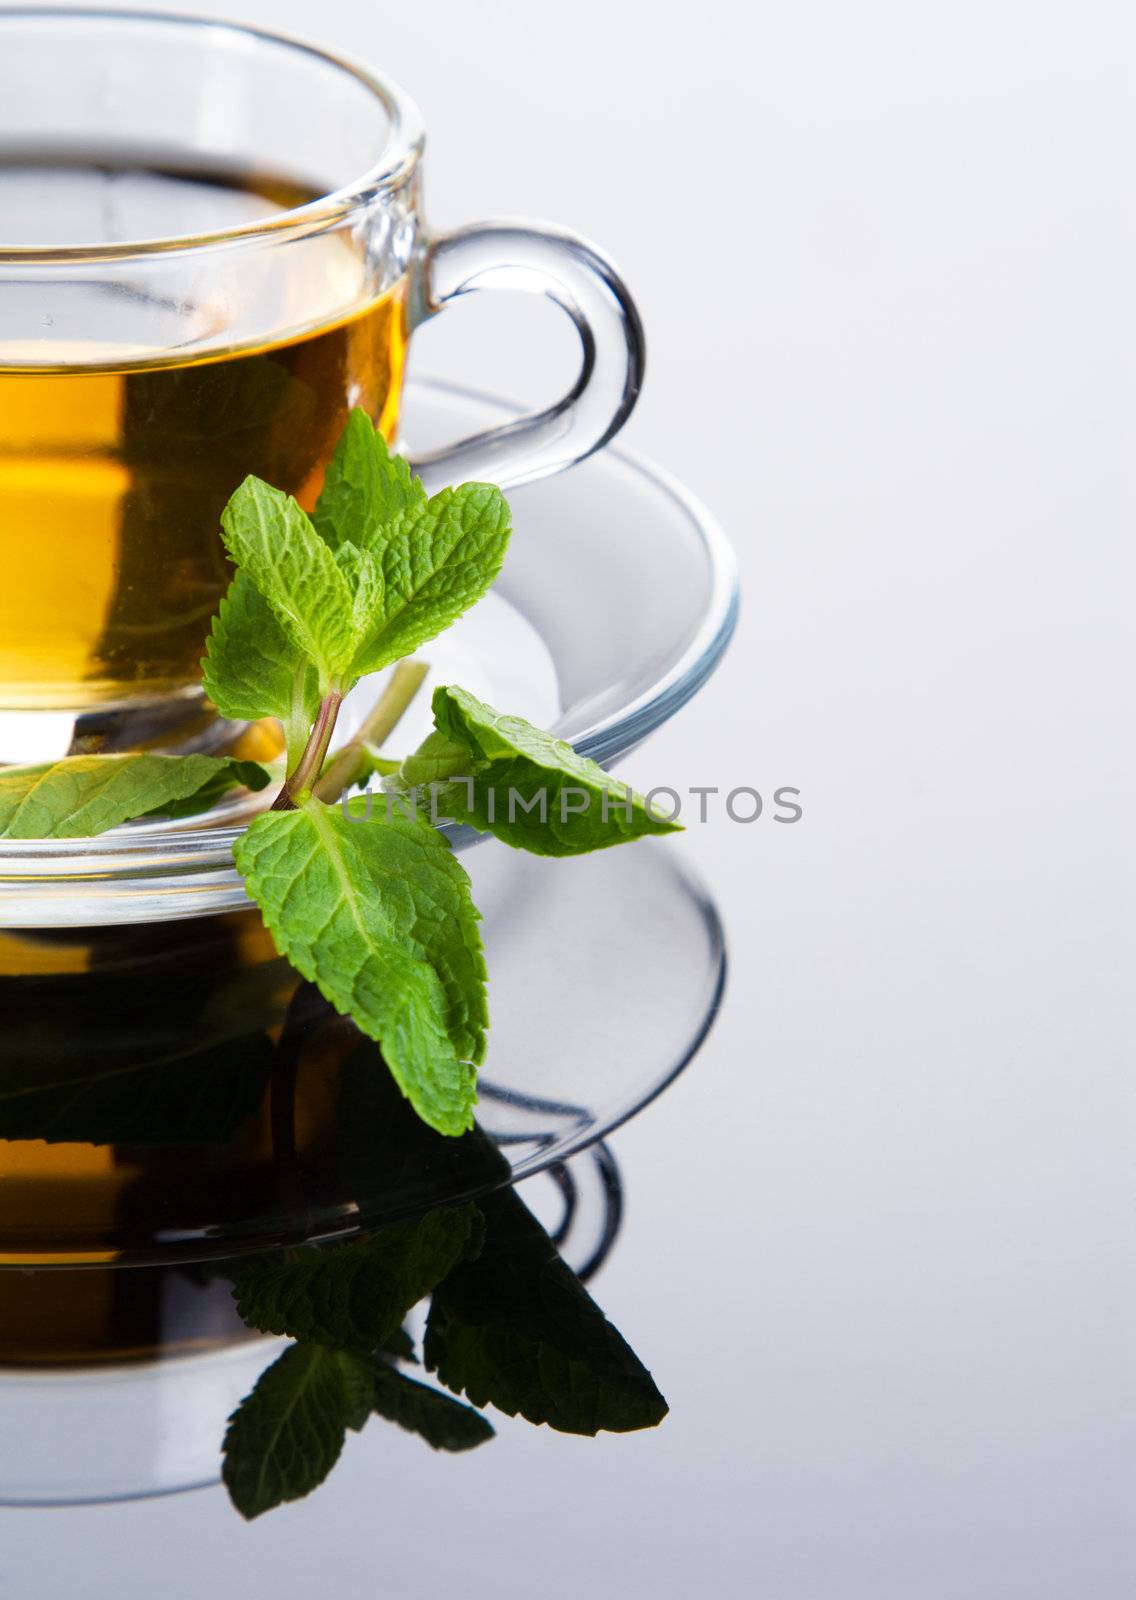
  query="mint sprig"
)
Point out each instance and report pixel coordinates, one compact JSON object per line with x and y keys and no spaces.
{"x":370,"y":904}
{"x":509,"y":1325}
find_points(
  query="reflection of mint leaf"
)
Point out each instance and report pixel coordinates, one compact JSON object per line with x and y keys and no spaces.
{"x":268,"y":535}
{"x":516,"y":1328}
{"x":437,"y":560}
{"x":175,"y":1053}
{"x":378,"y":915}
{"x":384,"y":1149}
{"x":252,"y":668}
{"x":365,"y":487}
{"x":192,"y":1096}
{"x":445,"y":1424}
{"x":401,"y":1346}
{"x":356,"y":1296}
{"x":286,"y":1436}
{"x":529,"y":789}
{"x":83,"y":795}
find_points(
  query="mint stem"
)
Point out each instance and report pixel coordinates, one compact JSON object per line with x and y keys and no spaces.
{"x":349,"y":764}
{"x":315,"y":751}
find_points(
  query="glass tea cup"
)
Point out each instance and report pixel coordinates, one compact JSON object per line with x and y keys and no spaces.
{"x":211,"y":249}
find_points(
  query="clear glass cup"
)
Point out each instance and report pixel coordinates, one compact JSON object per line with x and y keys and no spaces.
{"x":211,"y":247}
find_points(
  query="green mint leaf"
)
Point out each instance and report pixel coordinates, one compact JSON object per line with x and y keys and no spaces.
{"x":445,"y":1424}
{"x":365,"y":487}
{"x":83,"y":795}
{"x":228,"y":774}
{"x":516,"y":1328}
{"x":271,"y":538}
{"x":437,"y":560}
{"x":378,"y":914}
{"x":526,"y":787}
{"x":437,"y":758}
{"x":356,"y":1296}
{"x":285,"y":1437}
{"x":252,"y":668}
{"x":365,"y":580}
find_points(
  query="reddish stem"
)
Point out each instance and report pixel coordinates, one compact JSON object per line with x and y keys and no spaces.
{"x":310,"y":764}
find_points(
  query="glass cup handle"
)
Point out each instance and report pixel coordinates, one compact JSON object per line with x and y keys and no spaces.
{"x":582,"y":281}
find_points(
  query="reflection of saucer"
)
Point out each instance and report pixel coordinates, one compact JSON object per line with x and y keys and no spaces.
{"x":123,"y":1433}
{"x":133,"y":1429}
{"x":605,"y":972}
{"x":567,"y":628}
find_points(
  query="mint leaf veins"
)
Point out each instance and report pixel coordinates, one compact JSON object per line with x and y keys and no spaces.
{"x":83,"y":795}
{"x":253,"y":669}
{"x":286,"y":1436}
{"x":365,"y":487}
{"x":273,"y":541}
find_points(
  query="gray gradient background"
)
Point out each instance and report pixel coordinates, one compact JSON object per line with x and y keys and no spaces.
{"x":875,"y":1251}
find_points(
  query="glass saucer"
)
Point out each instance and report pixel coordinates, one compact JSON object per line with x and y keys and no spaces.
{"x":566,"y":638}
{"x":175,"y":1093}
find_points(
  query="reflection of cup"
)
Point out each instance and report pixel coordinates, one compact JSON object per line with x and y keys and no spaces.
{"x":137,"y":1069}
{"x":175,"y":1091}
{"x":211,"y":247}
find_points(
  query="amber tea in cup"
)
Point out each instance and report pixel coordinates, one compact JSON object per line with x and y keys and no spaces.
{"x":113,"y":476}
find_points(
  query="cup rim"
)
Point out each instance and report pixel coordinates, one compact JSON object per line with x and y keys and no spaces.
{"x":389,"y":171}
